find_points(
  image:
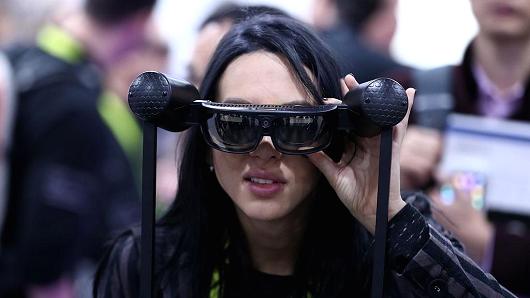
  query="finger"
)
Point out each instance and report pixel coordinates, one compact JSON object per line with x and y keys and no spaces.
{"x":351,"y":81}
{"x":343,"y":87}
{"x":402,"y":126}
{"x":332,"y":101}
{"x":410,"y":95}
{"x":324,"y":163}
{"x":347,"y":155}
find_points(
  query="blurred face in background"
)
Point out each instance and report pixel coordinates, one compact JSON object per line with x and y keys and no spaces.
{"x":380,"y":28}
{"x":324,"y":14}
{"x":205,"y":44}
{"x":503,"y":18}
{"x":151,"y":54}
{"x":377,"y":30}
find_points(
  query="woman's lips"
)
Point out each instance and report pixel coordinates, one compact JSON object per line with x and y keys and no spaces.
{"x":264,"y":186}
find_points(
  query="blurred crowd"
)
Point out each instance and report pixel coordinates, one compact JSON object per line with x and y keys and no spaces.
{"x":70,"y":149}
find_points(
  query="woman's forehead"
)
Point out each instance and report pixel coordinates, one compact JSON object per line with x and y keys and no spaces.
{"x":262,"y":78}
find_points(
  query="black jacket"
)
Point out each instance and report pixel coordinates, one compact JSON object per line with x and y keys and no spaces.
{"x":422,"y":261}
{"x":70,"y":182}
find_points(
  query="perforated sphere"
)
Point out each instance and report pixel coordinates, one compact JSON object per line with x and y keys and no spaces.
{"x":385,"y":102}
{"x":149,"y":95}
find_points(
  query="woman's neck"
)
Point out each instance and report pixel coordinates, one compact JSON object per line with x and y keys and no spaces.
{"x":273,"y":245}
{"x":505,"y":63}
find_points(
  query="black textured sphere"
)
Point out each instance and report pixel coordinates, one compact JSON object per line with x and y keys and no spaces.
{"x":149,"y":95}
{"x":385,"y":102}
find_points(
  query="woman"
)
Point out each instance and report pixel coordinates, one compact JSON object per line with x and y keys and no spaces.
{"x":268,"y":224}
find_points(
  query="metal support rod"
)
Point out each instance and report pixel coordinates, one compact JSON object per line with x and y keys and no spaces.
{"x":383,"y":191}
{"x":148,"y":210}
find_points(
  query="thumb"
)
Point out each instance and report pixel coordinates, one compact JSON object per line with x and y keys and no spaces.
{"x":325,"y":164}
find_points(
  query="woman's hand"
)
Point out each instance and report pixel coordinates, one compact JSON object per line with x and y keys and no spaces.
{"x":355,"y":177}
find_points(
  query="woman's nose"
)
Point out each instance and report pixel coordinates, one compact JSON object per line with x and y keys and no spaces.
{"x":266,"y":150}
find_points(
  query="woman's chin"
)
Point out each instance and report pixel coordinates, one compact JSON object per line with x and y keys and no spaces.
{"x":264,"y":211}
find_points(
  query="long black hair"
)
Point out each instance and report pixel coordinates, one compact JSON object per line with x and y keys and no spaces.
{"x":209,"y":234}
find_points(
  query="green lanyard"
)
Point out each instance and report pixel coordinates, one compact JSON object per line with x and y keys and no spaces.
{"x":57,"y":42}
{"x":119,"y":119}
{"x":216,"y":287}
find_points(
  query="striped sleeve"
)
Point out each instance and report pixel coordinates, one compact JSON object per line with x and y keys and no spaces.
{"x":433,"y":265}
{"x":117,"y":274}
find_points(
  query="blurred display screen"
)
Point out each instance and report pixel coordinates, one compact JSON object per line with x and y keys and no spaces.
{"x":498,"y":149}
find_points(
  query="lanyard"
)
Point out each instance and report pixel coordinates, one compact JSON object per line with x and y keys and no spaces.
{"x":57,"y":42}
{"x":121,"y":122}
{"x":216,"y":287}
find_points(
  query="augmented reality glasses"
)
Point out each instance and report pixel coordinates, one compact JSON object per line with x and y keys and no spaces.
{"x":293,"y":129}
{"x":239,"y":128}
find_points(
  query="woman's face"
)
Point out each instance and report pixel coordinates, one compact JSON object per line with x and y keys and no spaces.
{"x":264,"y":184}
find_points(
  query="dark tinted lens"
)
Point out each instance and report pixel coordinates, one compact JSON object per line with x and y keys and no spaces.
{"x":233,"y":132}
{"x":298,"y":134}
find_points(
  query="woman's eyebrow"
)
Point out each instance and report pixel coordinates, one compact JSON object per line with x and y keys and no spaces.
{"x":236,"y":100}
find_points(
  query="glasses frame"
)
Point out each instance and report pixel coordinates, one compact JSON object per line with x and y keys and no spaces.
{"x":267,"y":117}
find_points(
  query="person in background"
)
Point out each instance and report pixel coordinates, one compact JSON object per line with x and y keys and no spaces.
{"x":267,"y":223}
{"x":71,"y":185}
{"x":151,"y":55}
{"x":359,"y":32}
{"x":493,"y":80}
